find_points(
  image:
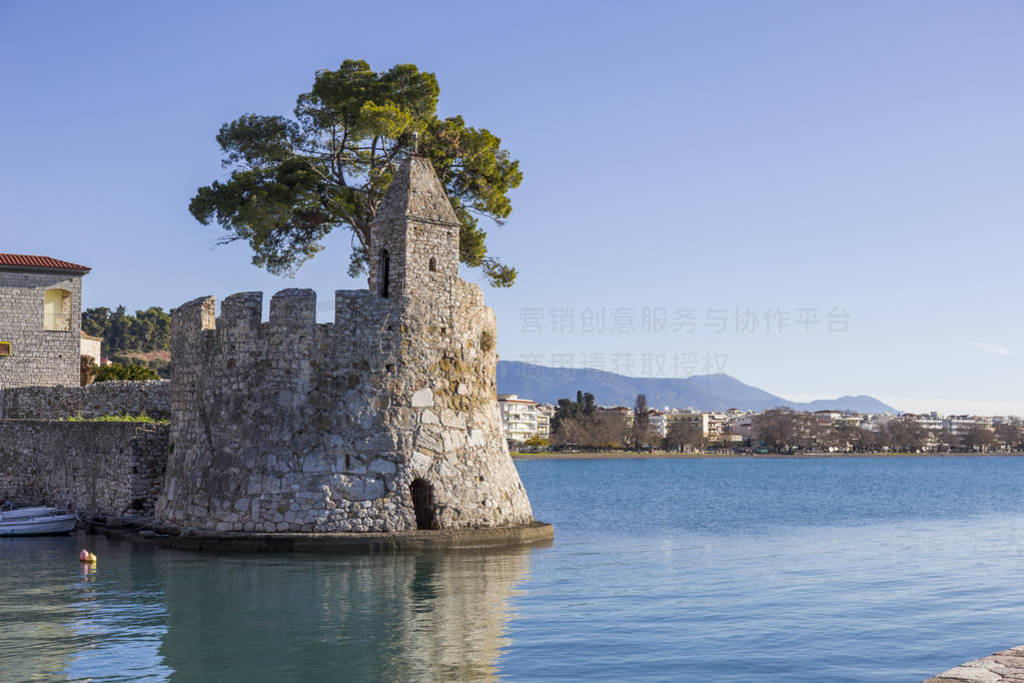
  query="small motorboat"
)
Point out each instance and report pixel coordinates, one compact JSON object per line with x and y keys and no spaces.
{"x":8,"y":513}
{"x":52,"y":523}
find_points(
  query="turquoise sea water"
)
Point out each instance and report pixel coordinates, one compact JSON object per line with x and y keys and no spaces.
{"x":874,"y":569}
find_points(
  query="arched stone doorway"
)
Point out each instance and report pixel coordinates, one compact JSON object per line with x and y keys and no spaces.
{"x":423,"y":504}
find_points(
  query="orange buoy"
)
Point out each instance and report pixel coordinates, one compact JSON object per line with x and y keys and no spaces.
{"x":86,"y":556}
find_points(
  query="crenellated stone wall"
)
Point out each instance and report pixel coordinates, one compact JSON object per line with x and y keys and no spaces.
{"x":108,"y":468}
{"x":288,"y":425}
{"x":120,"y":397}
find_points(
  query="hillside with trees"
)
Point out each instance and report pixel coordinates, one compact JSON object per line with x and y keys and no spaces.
{"x":141,"y":339}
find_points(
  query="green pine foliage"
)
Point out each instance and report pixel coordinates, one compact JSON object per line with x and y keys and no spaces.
{"x":295,"y":180}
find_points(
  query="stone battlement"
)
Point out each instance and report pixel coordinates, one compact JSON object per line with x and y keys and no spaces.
{"x":292,"y":312}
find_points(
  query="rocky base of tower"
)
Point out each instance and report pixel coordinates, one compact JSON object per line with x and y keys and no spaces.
{"x":534,"y":533}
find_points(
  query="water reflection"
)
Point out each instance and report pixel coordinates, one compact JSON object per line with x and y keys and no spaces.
{"x":118,"y":617}
{"x":35,"y":611}
{"x":430,"y":616}
{"x":34,"y":631}
{"x":158,"y":614}
{"x":891,"y":568}
{"x":59,"y":619}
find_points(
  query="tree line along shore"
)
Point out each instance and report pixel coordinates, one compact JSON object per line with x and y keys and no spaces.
{"x":698,"y":455}
{"x":583,"y":426}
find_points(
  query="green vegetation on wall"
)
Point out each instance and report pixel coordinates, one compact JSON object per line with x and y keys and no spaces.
{"x":142,"y":417}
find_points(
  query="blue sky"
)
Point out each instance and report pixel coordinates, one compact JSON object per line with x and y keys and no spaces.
{"x":808,"y":165}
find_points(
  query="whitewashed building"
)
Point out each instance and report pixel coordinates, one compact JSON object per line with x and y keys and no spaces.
{"x":524,"y":419}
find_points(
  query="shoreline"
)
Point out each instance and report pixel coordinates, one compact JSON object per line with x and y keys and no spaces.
{"x":628,"y":455}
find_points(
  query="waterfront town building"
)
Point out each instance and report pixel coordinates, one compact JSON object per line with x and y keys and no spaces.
{"x":40,"y":321}
{"x":929,"y":421}
{"x":741,"y":424}
{"x":545,"y":413}
{"x":657,"y":423}
{"x":695,"y":417}
{"x":717,"y":426}
{"x":524,"y":419}
{"x":961,"y":424}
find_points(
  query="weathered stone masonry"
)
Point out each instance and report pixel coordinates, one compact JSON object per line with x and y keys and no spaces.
{"x":99,"y":467}
{"x":38,"y":356}
{"x":109,"y":468}
{"x":290,"y":425}
{"x":121,"y":397}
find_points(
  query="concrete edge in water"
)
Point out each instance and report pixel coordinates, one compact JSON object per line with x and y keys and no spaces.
{"x":536,"y":533}
{"x":1005,"y":666}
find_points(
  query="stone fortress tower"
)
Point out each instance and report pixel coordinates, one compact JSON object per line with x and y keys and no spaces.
{"x":385,"y":420}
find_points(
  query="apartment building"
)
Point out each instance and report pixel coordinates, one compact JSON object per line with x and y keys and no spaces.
{"x":524,"y":419}
{"x":695,"y":417}
{"x":657,"y":422}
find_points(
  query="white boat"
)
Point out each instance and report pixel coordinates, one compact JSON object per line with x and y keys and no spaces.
{"x":9,"y":514}
{"x":39,"y":526}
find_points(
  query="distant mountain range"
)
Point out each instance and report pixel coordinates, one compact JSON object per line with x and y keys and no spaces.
{"x":702,"y":392}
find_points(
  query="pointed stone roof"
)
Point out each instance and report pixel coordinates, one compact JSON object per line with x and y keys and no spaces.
{"x":416,"y":193}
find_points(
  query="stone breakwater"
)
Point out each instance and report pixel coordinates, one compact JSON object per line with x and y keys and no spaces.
{"x":120,"y":397}
{"x":106,"y":468}
{"x":1002,"y":667}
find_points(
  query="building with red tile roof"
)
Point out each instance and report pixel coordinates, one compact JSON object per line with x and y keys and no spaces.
{"x":40,"y":321}
{"x":43,"y":263}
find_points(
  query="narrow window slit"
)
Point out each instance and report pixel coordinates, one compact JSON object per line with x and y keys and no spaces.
{"x":385,"y":272}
